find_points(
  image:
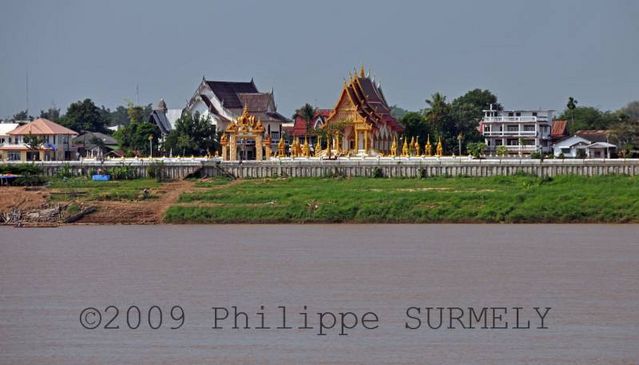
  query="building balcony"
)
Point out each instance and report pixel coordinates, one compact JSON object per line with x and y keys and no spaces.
{"x":521,"y":119}
{"x":518,"y":133}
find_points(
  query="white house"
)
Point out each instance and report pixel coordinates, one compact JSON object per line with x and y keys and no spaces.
{"x":585,"y":144}
{"x":55,"y":142}
{"x":521,"y":131}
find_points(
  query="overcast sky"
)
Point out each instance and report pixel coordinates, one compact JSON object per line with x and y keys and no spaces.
{"x":529,"y":53}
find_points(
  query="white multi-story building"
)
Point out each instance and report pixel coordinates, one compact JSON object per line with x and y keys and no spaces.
{"x":521,"y":131}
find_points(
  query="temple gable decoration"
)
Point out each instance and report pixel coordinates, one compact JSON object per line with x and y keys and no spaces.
{"x":367,"y":126}
{"x":246,"y":127}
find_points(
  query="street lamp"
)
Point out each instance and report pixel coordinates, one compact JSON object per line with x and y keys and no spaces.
{"x":460,"y":137}
{"x":150,"y":145}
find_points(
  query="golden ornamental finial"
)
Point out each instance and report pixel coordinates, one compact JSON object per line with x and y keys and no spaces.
{"x":362,"y":72}
{"x":245,"y":112}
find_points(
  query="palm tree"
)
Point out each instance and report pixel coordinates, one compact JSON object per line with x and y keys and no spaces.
{"x":436,"y":111}
{"x":307,"y":113}
{"x":572,"y":104}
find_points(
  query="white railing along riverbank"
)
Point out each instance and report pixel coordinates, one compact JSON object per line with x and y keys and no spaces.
{"x":177,"y":168}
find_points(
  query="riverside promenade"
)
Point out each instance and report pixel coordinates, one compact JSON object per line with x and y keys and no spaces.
{"x":400,"y":167}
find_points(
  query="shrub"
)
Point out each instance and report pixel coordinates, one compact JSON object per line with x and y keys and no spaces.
{"x":156,"y":170}
{"x":124,"y":172}
{"x":64,"y":172}
{"x":20,"y":169}
{"x":581,"y":153}
{"x":377,"y":172}
{"x":476,"y":149}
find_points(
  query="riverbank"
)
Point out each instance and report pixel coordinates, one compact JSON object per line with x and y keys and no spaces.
{"x":498,"y":199}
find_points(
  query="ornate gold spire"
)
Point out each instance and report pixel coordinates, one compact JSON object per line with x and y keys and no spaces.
{"x":440,"y":148}
{"x":362,"y":72}
{"x":393,"y":151}
{"x":245,"y":112}
{"x":405,"y":148}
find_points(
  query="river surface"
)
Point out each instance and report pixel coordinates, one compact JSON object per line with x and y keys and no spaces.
{"x":587,"y":274}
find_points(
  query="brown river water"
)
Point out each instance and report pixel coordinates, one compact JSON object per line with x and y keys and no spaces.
{"x":588,"y":275}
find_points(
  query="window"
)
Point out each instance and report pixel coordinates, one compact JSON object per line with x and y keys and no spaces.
{"x":275,"y":136}
{"x":486,"y":128}
{"x":512,"y":142}
{"x":498,"y":142}
{"x":14,"y":156}
{"x":534,"y":114}
{"x":510,"y":114}
{"x":512,"y":128}
{"x":529,"y":128}
{"x":518,"y":114}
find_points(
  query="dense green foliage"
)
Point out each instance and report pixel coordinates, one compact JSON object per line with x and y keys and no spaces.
{"x":515,"y":199}
{"x":85,"y":116}
{"x":139,"y":137}
{"x":31,"y":174}
{"x":455,"y":122}
{"x":192,"y":135}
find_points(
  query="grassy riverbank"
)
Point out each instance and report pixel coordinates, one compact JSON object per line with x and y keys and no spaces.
{"x":509,"y":199}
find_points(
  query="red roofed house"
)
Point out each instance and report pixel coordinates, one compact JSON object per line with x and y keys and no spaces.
{"x":299,"y":128}
{"x":559,"y":130}
{"x":56,"y":142}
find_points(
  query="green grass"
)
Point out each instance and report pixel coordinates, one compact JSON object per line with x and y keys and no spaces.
{"x":511,"y":199}
{"x":83,"y":189}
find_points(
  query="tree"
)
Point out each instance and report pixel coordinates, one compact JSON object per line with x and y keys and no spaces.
{"x":307,"y":113}
{"x":397,"y":112}
{"x":22,"y":115}
{"x":437,"y":112}
{"x":85,"y":116}
{"x":476,"y":149}
{"x":587,"y":117}
{"x":415,"y":126}
{"x":193,"y":135}
{"x":631,"y":111}
{"x":467,"y":111}
{"x":502,"y":151}
{"x":33,"y":142}
{"x":572,"y":104}
{"x":134,"y":137}
{"x":52,"y":114}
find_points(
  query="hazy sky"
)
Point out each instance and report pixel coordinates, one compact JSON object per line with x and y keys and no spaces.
{"x":530,"y":53}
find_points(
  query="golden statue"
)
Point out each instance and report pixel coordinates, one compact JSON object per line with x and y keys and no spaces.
{"x":405,"y":148}
{"x":417,"y":149}
{"x":306,"y":148}
{"x":281,"y":148}
{"x":440,"y":148}
{"x":393,"y":151}
{"x":428,"y":148}
{"x":318,"y":146}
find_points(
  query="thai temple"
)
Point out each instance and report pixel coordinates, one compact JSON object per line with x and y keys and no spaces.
{"x":362,"y":120}
{"x":226,"y":102}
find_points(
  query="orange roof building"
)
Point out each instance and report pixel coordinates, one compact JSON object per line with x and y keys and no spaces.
{"x":42,"y":127}
{"x":54,"y":142}
{"x":364,"y":119}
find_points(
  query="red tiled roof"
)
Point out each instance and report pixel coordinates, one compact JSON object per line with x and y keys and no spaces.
{"x":593,"y":135}
{"x":299,"y":128}
{"x":559,"y":129}
{"x":41,"y":127}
